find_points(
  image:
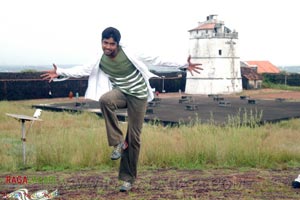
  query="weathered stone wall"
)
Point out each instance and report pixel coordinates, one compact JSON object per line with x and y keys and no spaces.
{"x":19,"y":86}
{"x":29,"y":85}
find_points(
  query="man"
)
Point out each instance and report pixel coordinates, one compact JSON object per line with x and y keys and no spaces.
{"x":119,"y":80}
{"x":296,"y":182}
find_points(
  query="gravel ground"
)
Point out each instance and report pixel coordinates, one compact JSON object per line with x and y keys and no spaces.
{"x":160,"y":184}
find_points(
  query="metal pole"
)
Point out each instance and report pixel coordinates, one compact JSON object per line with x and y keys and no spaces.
{"x":163,"y":85}
{"x":285,"y":78}
{"x":23,"y":141}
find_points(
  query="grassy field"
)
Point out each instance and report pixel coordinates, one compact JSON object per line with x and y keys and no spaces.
{"x":78,"y":141}
{"x":199,"y":161}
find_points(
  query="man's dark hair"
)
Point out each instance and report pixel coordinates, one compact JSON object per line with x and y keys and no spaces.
{"x":111,"y":32}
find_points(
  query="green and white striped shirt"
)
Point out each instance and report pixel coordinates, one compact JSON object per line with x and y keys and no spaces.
{"x":123,"y":75}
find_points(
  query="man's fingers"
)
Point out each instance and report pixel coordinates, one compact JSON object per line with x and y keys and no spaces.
{"x":191,"y":71}
{"x":194,"y":70}
{"x":197,"y":64}
{"x":198,"y":72}
{"x":55,"y":67}
{"x":46,"y":76}
{"x":43,"y":75}
{"x":189,"y":59}
{"x":49,"y":74}
{"x":199,"y":68}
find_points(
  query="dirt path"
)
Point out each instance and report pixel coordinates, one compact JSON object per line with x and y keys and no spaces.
{"x":161,"y":184}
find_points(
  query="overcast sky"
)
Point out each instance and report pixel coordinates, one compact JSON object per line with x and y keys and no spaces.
{"x":42,"y":32}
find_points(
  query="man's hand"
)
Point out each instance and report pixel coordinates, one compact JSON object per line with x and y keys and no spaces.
{"x":50,"y":75}
{"x":193,"y":66}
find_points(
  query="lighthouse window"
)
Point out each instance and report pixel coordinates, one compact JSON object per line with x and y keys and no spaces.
{"x":220,"y":52}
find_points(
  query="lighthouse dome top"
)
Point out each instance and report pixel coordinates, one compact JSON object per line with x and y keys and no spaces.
{"x":211,"y":28}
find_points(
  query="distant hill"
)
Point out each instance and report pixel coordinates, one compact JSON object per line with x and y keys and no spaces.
{"x":22,"y":68}
{"x":290,"y":69}
{"x":18,"y":68}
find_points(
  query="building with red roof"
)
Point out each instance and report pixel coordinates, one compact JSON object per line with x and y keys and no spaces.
{"x":263,"y":67}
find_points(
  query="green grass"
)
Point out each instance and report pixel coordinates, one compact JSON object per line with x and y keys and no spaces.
{"x":268,"y":84}
{"x":76,"y":141}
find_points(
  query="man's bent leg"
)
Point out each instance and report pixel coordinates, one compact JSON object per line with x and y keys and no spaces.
{"x":109,"y":102}
{"x":129,"y":160}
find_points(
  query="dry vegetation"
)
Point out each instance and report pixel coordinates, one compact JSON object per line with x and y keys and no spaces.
{"x":186,"y":162}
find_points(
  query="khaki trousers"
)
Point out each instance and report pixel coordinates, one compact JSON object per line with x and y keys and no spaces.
{"x":136,"y":109}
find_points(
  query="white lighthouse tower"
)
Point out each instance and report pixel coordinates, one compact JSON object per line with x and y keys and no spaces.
{"x":216,"y":47}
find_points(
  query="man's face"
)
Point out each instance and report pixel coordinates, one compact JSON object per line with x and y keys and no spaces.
{"x":110,"y":47}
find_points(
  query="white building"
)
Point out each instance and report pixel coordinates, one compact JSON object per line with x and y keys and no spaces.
{"x":216,"y":47}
